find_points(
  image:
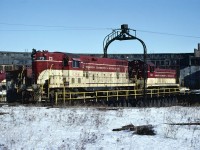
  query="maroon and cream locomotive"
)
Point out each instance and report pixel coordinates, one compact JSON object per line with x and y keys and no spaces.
{"x":54,"y":71}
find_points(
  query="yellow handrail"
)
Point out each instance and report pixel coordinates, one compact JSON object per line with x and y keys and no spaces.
{"x":112,"y":94}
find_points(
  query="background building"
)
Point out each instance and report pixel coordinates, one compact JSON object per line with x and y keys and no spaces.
{"x":11,"y":60}
{"x":190,"y":70}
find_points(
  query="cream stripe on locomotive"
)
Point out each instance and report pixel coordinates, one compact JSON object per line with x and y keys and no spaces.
{"x":80,"y":78}
{"x":161,"y":82}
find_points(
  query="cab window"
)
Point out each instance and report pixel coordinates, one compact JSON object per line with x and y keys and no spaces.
{"x":76,"y":64}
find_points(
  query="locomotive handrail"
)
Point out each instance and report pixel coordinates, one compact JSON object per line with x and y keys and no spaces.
{"x":112,"y":94}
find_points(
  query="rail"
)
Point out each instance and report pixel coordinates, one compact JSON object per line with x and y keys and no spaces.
{"x":116,"y":94}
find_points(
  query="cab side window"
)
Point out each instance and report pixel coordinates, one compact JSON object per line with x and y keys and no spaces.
{"x":76,"y":64}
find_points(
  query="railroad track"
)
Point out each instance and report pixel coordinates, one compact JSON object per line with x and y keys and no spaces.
{"x":176,"y":100}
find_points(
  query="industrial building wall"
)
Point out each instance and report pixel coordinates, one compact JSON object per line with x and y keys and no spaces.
{"x":190,"y":77}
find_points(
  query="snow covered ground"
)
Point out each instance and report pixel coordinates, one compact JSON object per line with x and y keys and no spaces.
{"x":91,"y":128}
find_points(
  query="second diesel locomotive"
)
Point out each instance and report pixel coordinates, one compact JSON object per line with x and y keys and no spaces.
{"x":54,"y":71}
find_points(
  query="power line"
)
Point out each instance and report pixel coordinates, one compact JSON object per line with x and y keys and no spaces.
{"x":56,"y":26}
{"x":10,"y":30}
{"x":65,"y":28}
{"x":170,"y":34}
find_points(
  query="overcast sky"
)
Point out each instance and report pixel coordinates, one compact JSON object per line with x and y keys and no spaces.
{"x":79,"y":26}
